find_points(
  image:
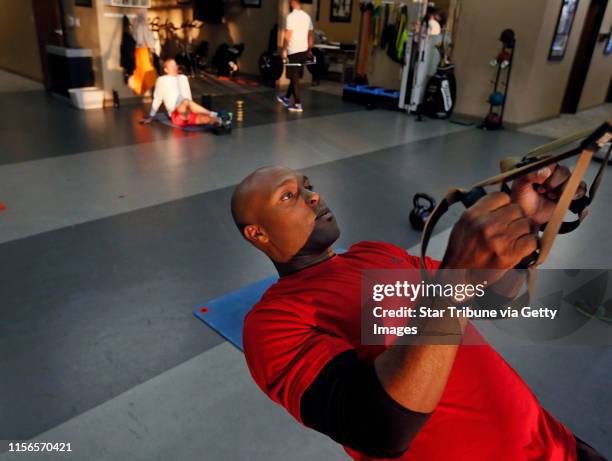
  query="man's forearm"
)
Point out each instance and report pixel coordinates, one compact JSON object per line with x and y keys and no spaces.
{"x":494,"y":232}
{"x":415,"y":375}
{"x":509,"y":285}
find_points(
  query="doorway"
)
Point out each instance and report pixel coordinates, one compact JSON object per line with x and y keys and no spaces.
{"x":49,"y":31}
{"x":584,"y":53}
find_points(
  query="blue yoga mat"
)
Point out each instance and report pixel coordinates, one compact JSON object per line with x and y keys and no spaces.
{"x":226,"y":314}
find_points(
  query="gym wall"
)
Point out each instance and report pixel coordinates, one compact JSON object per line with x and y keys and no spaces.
{"x":537,"y":85}
{"x":252,"y":26}
{"x":477,"y":43}
{"x":382,"y":71}
{"x":345,"y":32}
{"x":542,"y":87}
{"x":18,"y":40}
{"x":598,"y":78}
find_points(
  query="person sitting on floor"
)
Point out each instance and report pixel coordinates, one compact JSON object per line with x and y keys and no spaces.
{"x":174,"y":91}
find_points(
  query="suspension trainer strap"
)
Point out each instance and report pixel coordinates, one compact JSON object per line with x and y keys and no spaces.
{"x":594,"y":141}
{"x":554,"y":224}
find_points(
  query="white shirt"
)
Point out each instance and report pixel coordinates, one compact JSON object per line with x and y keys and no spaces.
{"x":171,"y":91}
{"x":434,"y":27}
{"x":299,"y":23}
{"x":143,"y":36}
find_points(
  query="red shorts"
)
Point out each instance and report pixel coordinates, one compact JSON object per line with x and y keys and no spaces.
{"x":180,"y":120}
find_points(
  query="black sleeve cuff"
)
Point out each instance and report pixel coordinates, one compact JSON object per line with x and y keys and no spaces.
{"x":347,"y":402}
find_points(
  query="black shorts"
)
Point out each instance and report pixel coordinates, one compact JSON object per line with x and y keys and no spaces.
{"x":296,"y":71}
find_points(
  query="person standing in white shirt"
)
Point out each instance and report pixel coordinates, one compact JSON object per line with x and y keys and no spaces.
{"x":174,"y":91}
{"x":297,"y":49}
{"x":433,"y":21}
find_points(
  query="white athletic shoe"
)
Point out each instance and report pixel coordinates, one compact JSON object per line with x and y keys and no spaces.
{"x":295,"y":108}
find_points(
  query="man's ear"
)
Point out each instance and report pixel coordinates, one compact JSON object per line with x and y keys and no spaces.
{"x":254,"y":233}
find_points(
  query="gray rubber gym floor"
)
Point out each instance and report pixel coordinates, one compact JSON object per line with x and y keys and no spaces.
{"x":113,"y":232}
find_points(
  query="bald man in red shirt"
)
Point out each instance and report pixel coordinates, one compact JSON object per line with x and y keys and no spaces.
{"x":303,"y":347}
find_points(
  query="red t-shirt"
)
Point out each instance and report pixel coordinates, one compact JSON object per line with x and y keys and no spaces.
{"x":305,"y":319}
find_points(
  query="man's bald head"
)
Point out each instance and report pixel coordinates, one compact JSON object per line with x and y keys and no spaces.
{"x":276,"y":210}
{"x":248,"y":193}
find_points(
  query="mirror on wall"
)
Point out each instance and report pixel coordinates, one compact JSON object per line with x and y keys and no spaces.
{"x":131,"y":3}
{"x":608,"y":48}
{"x":340,"y":10}
{"x":563,"y":29}
{"x":607,"y":38}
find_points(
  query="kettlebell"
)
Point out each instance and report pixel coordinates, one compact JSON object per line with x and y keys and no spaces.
{"x":423,"y":206}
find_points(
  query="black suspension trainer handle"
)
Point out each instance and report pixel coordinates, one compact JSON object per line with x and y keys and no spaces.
{"x":529,"y":260}
{"x":472,"y":196}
